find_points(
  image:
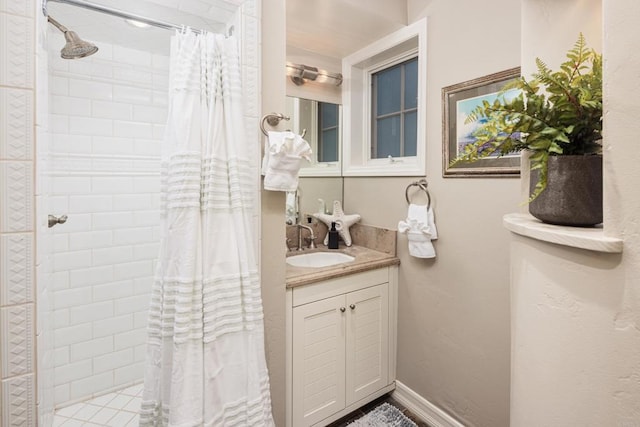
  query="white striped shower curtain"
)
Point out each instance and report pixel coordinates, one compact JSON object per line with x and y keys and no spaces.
{"x":205,"y":361}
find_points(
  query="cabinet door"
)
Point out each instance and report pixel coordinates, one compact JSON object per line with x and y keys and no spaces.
{"x":318,"y":360}
{"x":367,"y":342}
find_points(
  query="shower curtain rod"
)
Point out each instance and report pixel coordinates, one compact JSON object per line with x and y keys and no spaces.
{"x":119,"y":13}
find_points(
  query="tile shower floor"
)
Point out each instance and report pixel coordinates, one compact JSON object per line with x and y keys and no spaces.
{"x":117,"y":409}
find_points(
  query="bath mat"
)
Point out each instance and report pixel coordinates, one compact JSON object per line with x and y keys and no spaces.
{"x":383,"y":415}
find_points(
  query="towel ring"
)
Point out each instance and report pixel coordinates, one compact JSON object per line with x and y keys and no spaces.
{"x":272,"y":119}
{"x":423,"y":184}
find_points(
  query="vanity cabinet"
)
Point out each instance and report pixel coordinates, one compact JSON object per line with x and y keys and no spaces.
{"x":341,"y":345}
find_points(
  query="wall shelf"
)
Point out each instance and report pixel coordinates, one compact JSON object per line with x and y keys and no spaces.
{"x":592,"y":239}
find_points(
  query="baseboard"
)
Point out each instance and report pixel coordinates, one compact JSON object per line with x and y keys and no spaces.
{"x":422,"y":408}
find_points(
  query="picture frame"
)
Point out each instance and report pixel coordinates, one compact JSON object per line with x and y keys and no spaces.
{"x":457,"y":101}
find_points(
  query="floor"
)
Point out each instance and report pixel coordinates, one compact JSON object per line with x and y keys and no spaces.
{"x":120,"y":409}
{"x":117,"y":409}
{"x":344,"y":421}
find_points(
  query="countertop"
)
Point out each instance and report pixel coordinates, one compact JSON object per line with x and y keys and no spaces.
{"x":365,"y":259}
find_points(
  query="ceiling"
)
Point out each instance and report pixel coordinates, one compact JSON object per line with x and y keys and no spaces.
{"x":337,"y":28}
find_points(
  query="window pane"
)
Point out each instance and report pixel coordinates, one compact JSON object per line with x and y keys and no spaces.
{"x":410,"y":134}
{"x":328,"y":150}
{"x":388,"y":141}
{"x":411,"y":84}
{"x":328,"y":115}
{"x":388,"y":84}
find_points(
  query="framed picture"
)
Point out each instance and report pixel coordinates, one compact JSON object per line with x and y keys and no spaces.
{"x":457,"y":102}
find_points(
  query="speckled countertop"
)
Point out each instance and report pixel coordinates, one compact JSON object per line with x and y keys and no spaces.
{"x":373,"y":248}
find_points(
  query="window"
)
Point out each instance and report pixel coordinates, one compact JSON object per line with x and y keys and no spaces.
{"x":384,"y":111}
{"x":327,"y":132}
{"x":394,"y":110}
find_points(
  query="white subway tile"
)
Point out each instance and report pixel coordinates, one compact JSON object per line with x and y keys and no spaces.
{"x":131,"y":270}
{"x":160,"y":62}
{"x":113,"y":256}
{"x":132,"y":235}
{"x":61,"y":356}
{"x":161,"y":81}
{"x":146,"y":184}
{"x":59,"y":85}
{"x":91,"y":126}
{"x":148,"y":147}
{"x":91,"y":312}
{"x":158,"y":131}
{"x":90,"y":89}
{"x":146,"y":251}
{"x":61,"y":393}
{"x":60,"y":280}
{"x":160,"y":98}
{"x":111,"y":185}
{"x":113,"y":220}
{"x":140,"y":353}
{"x":146,"y":218}
{"x":132,"y":304}
{"x":61,"y":318}
{"x":74,"y":144}
{"x":112,"y":145}
{"x":90,"y":240}
{"x":71,"y":298}
{"x":132,"y":129}
{"x":111,"y":110}
{"x":123,"y":93}
{"x":58,"y":204}
{"x":104,"y":54}
{"x":132,"y":75}
{"x":113,"y":360}
{"x":89,"y":203}
{"x":70,"y":185}
{"x":72,"y":371}
{"x":113,"y":290}
{"x":129,"y":373}
{"x":141,"y":318}
{"x":58,"y":123}
{"x":70,"y":106}
{"x":89,"y":277}
{"x":91,"y":348}
{"x":130,"y":338}
{"x":71,"y":260}
{"x":72,"y":335}
{"x":61,"y":242}
{"x":131,"y":56}
{"x":86,"y":387}
{"x":148,"y":114}
{"x":114,"y":325}
{"x":131,"y":202}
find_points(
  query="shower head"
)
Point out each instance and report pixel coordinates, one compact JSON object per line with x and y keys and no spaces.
{"x":75,"y":46}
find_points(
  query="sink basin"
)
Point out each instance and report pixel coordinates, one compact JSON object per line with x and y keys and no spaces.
{"x":318,"y":259}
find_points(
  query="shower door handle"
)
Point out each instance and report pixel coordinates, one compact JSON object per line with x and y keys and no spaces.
{"x":53,"y":220}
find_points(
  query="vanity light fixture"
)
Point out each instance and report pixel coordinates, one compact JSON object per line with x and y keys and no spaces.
{"x":300,"y":73}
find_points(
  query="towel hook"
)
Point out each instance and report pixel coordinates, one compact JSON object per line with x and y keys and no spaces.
{"x":423,"y":184}
{"x":272,"y":119}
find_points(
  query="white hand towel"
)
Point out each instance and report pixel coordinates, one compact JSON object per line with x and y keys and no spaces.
{"x":419,"y":231}
{"x":283,"y":155}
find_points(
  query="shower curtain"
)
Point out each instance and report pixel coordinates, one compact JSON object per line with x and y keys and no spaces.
{"x":205,"y":361}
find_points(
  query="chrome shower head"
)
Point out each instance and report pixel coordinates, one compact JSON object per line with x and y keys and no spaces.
{"x":75,"y":46}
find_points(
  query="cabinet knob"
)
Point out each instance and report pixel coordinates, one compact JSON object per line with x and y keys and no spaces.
{"x":352,"y":306}
{"x":342,"y":309}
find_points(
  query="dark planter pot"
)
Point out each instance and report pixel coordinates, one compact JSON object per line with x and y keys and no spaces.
{"x":574,"y":192}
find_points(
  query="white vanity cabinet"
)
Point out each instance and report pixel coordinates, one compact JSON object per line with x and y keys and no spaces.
{"x":341,"y":343}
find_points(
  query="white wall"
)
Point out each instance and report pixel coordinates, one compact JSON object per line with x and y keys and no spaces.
{"x":107,"y":115}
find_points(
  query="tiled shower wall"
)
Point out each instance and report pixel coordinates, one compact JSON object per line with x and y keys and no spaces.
{"x":19,"y":123}
{"x":17,"y":249}
{"x":107,"y":115}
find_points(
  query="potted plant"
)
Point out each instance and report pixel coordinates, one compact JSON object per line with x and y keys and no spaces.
{"x":557,"y":117}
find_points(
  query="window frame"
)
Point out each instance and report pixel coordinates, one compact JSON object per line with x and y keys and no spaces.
{"x":357,"y":68}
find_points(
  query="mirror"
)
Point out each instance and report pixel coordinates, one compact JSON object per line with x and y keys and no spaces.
{"x":320,"y":181}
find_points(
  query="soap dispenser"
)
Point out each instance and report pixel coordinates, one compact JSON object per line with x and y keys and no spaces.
{"x":333,"y":237}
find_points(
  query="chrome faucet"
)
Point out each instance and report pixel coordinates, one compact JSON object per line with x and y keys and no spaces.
{"x":312,"y":237}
